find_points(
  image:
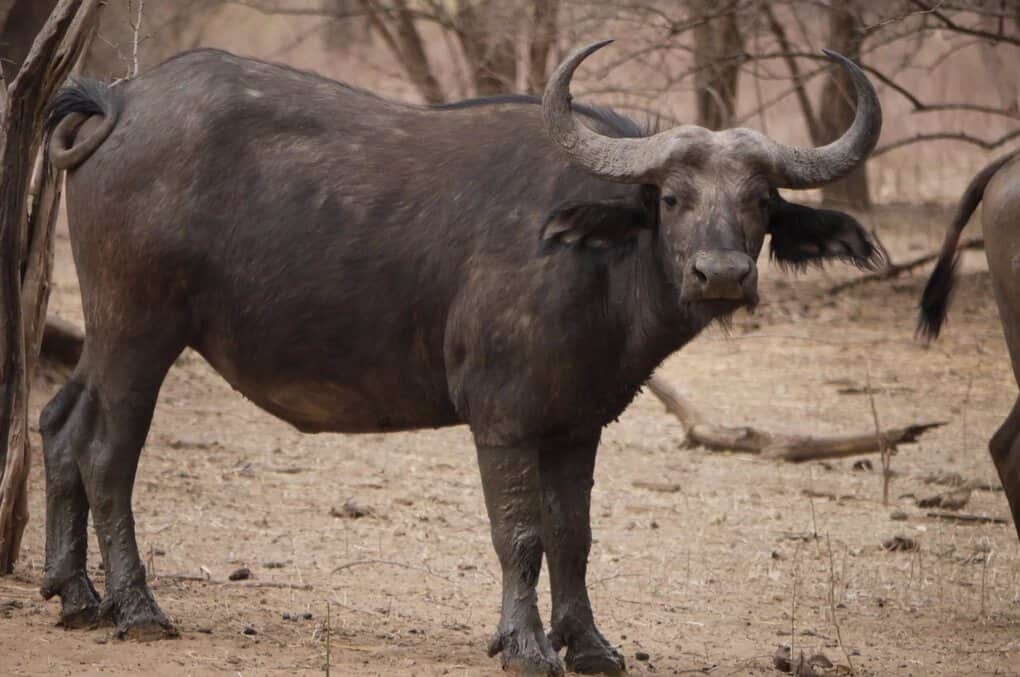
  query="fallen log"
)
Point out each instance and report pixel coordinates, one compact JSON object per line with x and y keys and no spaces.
{"x":786,"y":447}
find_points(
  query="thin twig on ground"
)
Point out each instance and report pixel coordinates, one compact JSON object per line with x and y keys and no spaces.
{"x":966,"y":518}
{"x":884,"y":447}
{"x":832,"y":607}
{"x":190,"y":578}
{"x":387,"y":562}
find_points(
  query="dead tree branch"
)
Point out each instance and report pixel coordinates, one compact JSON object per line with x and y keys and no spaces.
{"x":895,"y":269}
{"x":136,"y":28}
{"x":989,"y":144}
{"x":965,"y":30}
{"x":792,"y":448}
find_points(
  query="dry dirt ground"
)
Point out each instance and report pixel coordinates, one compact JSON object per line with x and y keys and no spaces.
{"x":710,"y":578}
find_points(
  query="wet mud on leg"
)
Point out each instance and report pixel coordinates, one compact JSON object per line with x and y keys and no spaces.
{"x":566,"y":469}
{"x":510,"y":482}
{"x":67,"y":509}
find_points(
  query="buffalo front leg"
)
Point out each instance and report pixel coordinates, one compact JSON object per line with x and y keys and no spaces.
{"x":63,"y":423}
{"x":566,"y":469}
{"x":510,"y":481}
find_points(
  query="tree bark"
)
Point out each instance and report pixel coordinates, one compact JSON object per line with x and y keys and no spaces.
{"x":543,"y":37}
{"x":397,"y":29}
{"x":718,"y":54}
{"x":26,"y":247}
{"x":807,"y":108}
{"x":488,"y":45}
{"x":836,"y":112}
{"x":20,"y":22}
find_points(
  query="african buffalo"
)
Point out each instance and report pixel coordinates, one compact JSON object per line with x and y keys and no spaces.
{"x":998,"y":185}
{"x":351,"y":264}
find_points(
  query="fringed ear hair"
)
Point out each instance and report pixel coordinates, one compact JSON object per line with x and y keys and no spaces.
{"x":803,"y":236}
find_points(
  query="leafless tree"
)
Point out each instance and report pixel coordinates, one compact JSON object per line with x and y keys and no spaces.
{"x":501,"y":45}
{"x":718,"y":55}
{"x":835,"y":110}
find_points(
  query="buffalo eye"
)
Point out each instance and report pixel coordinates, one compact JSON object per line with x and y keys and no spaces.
{"x":669,"y":200}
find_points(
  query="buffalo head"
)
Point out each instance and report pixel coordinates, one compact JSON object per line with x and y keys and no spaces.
{"x":713,"y":194}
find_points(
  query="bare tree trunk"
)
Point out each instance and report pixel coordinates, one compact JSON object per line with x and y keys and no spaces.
{"x":397,"y":28}
{"x":486,"y":32}
{"x":342,"y":31}
{"x":807,"y":109}
{"x":20,"y":22}
{"x":718,"y":54}
{"x":26,"y":247}
{"x":836,"y":112}
{"x":543,"y":37}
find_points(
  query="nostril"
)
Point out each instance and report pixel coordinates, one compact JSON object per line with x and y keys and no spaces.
{"x":699,"y":276}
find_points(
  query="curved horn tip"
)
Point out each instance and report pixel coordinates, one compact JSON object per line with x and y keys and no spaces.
{"x":582,"y":53}
{"x":839,"y":58}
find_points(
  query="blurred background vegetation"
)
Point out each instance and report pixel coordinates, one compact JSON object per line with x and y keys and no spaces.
{"x":947,"y":71}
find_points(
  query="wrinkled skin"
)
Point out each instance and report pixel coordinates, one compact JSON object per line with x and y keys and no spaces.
{"x":998,"y":187}
{"x":355,"y":265}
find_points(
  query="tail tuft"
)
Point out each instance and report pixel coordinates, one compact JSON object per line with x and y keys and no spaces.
{"x":938,"y":292}
{"x":936,"y":297}
{"x":82,"y":97}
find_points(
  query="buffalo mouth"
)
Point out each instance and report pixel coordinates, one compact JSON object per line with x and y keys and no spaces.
{"x":703,"y":312}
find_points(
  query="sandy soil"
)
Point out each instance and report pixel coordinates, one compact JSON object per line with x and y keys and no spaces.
{"x":708,"y":579}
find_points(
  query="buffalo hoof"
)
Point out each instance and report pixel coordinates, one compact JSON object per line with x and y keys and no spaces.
{"x":526,"y":652}
{"x":79,"y":601}
{"x":596,"y":662}
{"x":137,"y":616}
{"x":590,"y":654}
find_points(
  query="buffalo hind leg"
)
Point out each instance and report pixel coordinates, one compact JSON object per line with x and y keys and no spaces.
{"x":122,"y":385}
{"x":510,"y":482}
{"x":566,"y":469}
{"x":1005,"y":443}
{"x":67,"y":509}
{"x":1005,"y":449}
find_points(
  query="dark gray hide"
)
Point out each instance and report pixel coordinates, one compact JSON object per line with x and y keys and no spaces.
{"x":998,"y":187}
{"x":352,"y":264}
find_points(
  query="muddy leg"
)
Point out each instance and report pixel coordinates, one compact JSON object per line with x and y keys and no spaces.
{"x":1005,"y":449}
{"x":66,"y":510}
{"x":566,"y":468}
{"x":512,"y":498}
{"x":119,"y":398}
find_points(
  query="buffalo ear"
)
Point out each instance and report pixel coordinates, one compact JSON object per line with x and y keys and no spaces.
{"x":594,"y":225}
{"x":802,"y":236}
